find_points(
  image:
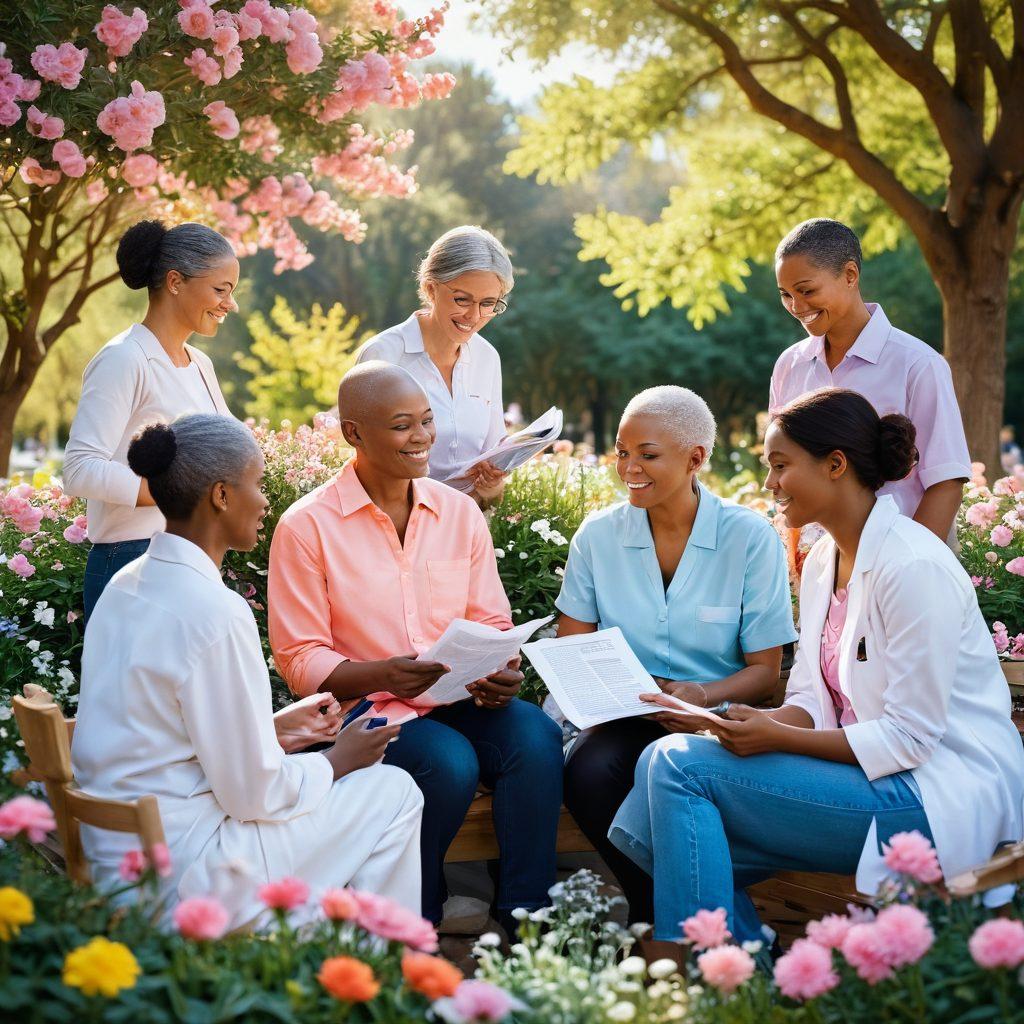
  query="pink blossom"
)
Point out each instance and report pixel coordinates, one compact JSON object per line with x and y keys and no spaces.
{"x":481,"y":1001}
{"x":21,"y":566}
{"x":247,"y":26}
{"x":865,"y":953}
{"x":201,"y":919}
{"x":1007,"y":485}
{"x":26,"y":517}
{"x":62,"y":64}
{"x":998,"y":943}
{"x":44,"y":125}
{"x":233,"y":62}
{"x":274,"y":20}
{"x":132,"y":865}
{"x":390,"y":920}
{"x":910,"y":853}
{"x":140,"y":170}
{"x":304,"y":52}
{"x":339,"y":905}
{"x":805,"y":972}
{"x":982,"y":514}
{"x":224,"y":35}
{"x":904,"y":934}
{"x":196,"y":20}
{"x":830,"y":931}
{"x":1000,"y":637}
{"x":1016,"y":566}
{"x":438,"y":86}
{"x":68,"y":157}
{"x":161,"y":858}
{"x":706,"y":929}
{"x":286,"y":894}
{"x":72,"y":616}
{"x":131,"y":120}
{"x":726,"y":967}
{"x":25,"y":815}
{"x":991,"y":557}
{"x":73,"y":535}
{"x":205,"y":68}
{"x":26,"y":545}
{"x":33,"y":173}
{"x":96,"y":192}
{"x":119,"y":32}
{"x":10,"y":113}
{"x":222,"y":119}
{"x":1001,"y":535}
{"x":29,"y":90}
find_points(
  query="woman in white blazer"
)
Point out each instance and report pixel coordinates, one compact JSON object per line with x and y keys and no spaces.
{"x":148,"y":373}
{"x":897,"y":715}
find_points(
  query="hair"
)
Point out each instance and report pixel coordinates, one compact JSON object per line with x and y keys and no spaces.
{"x":149,"y":250}
{"x":878,"y":448}
{"x":182,"y":460}
{"x":683,"y":412}
{"x":828,"y":244}
{"x":462,"y":250}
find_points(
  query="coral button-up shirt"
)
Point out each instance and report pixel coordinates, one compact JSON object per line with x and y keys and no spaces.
{"x":343,"y":587}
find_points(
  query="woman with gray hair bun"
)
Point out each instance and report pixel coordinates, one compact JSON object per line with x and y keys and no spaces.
{"x":147,"y":373}
{"x":463,"y":283}
{"x":175,"y":701}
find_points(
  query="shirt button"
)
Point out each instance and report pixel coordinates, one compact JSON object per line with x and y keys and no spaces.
{"x":405,"y":575}
{"x":662,"y":617}
{"x":417,"y":639}
{"x":409,"y":613}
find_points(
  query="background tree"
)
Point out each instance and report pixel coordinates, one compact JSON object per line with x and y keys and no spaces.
{"x":896,"y":116}
{"x":227,"y":115}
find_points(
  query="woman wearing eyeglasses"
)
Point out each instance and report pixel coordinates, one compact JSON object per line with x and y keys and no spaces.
{"x":463,"y":282}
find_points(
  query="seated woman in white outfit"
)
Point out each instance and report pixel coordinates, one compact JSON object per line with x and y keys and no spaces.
{"x":175,"y":702}
{"x":897,"y":715}
{"x":463,"y":281}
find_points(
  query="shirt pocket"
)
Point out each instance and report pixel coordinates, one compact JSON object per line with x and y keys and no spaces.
{"x":448,"y":581}
{"x":718,"y":628}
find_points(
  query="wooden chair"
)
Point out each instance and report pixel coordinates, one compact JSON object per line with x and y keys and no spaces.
{"x":47,"y":737}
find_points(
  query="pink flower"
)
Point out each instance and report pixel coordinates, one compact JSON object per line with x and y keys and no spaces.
{"x":232,"y":62}
{"x":304,"y":53}
{"x":10,"y":113}
{"x":201,"y":919}
{"x":991,"y":557}
{"x":68,"y":157}
{"x":224,"y":35}
{"x":206,"y":69}
{"x":865,"y":953}
{"x":132,"y":865}
{"x":982,"y":514}
{"x":726,"y":967}
{"x":196,"y":20}
{"x":25,"y":815}
{"x":29,"y":90}
{"x":830,"y":931}
{"x":222,"y":119}
{"x":805,"y":972}
{"x":130,"y":120}
{"x":44,"y":125}
{"x":1016,"y":566}
{"x":274,"y":20}
{"x":909,"y":853}
{"x":481,"y":1001}
{"x":161,"y":860}
{"x":904,"y":934}
{"x":21,"y":566}
{"x":140,"y":170}
{"x":389,"y":920}
{"x":1001,"y":535}
{"x":26,"y":545}
{"x":62,"y":64}
{"x":438,"y":86}
{"x":74,"y":535}
{"x":339,"y":904}
{"x":96,"y":192}
{"x":247,"y":26}
{"x":998,"y":943}
{"x":33,"y":173}
{"x":1006,"y":485}
{"x":119,"y":32}
{"x":26,"y":517}
{"x":286,"y":894}
{"x":706,"y":929}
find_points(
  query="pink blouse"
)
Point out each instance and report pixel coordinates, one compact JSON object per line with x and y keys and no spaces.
{"x":831,"y":634}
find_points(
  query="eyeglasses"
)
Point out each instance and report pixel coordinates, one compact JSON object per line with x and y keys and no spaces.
{"x":488,"y":307}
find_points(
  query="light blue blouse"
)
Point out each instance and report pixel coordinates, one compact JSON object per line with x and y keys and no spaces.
{"x":729,"y":594}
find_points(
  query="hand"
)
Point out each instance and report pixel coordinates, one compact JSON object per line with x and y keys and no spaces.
{"x":745,"y":730}
{"x":358,"y":747}
{"x":407,"y":677}
{"x":488,"y":482}
{"x":692,"y":693}
{"x":498,"y":689}
{"x":303,"y":723}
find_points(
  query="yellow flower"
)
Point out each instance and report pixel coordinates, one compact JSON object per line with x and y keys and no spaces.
{"x":101,"y":967}
{"x":15,"y":910}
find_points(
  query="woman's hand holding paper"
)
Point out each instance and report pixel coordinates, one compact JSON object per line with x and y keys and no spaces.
{"x":314,"y":719}
{"x":745,"y":730}
{"x":498,"y":689}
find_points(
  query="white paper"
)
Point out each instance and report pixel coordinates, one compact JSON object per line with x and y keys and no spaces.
{"x":473,"y":650}
{"x":512,"y":452}
{"x":596,"y":677}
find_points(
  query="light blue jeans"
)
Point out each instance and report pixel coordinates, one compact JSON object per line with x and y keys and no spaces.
{"x":705,"y":824}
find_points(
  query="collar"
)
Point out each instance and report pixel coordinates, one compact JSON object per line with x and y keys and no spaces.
{"x":169,"y":547}
{"x":352,"y":495}
{"x":412,"y":340}
{"x":869,"y":343}
{"x":637,"y":530}
{"x":147,"y":341}
{"x":872,"y":537}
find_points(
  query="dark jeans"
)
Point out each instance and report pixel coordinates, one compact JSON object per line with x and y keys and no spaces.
{"x":517,"y":752}
{"x":598,"y":777}
{"x":103,"y":562}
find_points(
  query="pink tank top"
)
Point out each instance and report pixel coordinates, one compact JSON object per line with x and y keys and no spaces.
{"x":831,"y":634}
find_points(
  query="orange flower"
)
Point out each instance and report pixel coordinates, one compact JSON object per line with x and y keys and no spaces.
{"x":431,"y":975}
{"x":348,"y":979}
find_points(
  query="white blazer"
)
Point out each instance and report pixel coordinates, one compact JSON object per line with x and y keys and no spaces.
{"x":917,"y":663}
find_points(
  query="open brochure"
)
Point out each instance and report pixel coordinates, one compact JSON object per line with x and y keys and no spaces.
{"x":596,"y":677}
{"x":473,"y":651}
{"x":513,"y":451}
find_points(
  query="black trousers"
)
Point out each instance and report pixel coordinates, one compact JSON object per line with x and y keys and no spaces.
{"x":598,"y":776}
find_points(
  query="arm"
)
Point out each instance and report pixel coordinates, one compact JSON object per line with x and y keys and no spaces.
{"x":486,"y":601}
{"x":489,"y":481}
{"x":939,"y":506}
{"x":568,"y":626}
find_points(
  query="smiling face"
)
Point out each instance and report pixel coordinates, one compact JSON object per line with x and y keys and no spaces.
{"x":804,"y":487}
{"x":244,"y":507}
{"x":461,"y":306}
{"x":202,"y":302}
{"x":652,"y":463}
{"x":815,"y":296}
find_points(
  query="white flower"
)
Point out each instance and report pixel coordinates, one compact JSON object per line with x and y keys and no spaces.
{"x":541,"y":526}
{"x":662,"y":968}
{"x":489,"y":939}
{"x":622,"y":1011}
{"x":66,"y":677}
{"x":556,"y":538}
{"x":5,"y":712}
{"x":633,"y":965}
{"x":32,"y":645}
{"x":520,"y":914}
{"x":559,"y":571}
{"x":523,"y":555}
{"x":752,"y":946}
{"x":499,"y":552}
{"x":43,"y":614}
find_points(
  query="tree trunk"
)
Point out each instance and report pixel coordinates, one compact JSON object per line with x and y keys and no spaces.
{"x":11,"y":398}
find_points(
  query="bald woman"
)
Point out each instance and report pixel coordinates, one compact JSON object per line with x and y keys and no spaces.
{"x":365,"y":574}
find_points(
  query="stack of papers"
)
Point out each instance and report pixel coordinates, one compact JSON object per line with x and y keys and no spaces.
{"x":512,"y":452}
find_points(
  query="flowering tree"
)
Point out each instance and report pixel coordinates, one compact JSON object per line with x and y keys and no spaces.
{"x":240,"y":114}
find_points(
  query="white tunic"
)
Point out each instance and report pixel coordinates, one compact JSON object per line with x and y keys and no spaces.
{"x":470,"y":418}
{"x":130,"y":383}
{"x":175,"y":702}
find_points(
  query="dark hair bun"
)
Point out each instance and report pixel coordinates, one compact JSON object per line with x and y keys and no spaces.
{"x":897,"y":451}
{"x":137,"y":252}
{"x":152,"y":451}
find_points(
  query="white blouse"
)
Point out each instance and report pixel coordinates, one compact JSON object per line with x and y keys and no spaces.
{"x":471,"y":417}
{"x":130,"y":383}
{"x":175,"y":702}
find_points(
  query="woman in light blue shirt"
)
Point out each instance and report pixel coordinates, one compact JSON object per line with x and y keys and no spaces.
{"x":699,"y":588}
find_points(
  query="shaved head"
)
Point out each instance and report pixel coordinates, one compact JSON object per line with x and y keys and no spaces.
{"x":378,"y":390}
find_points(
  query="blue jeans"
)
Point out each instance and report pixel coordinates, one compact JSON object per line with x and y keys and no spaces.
{"x":706,"y":823}
{"x":517,"y":752}
{"x":103,"y":562}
